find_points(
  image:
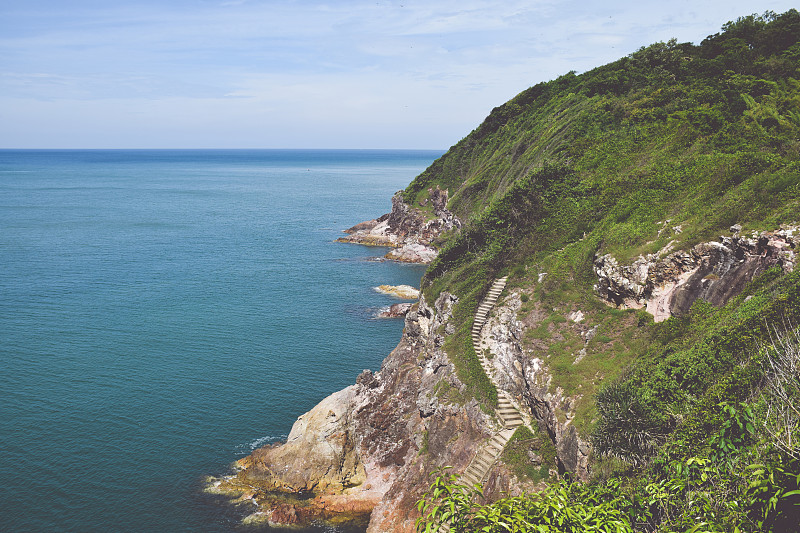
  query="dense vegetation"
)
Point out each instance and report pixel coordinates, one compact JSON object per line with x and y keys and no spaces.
{"x":697,"y":137}
{"x":695,"y":421}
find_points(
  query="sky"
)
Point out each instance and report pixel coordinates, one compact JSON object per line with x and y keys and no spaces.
{"x":406,"y":74}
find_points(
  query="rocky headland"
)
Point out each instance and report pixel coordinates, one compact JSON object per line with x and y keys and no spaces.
{"x":411,"y":231}
{"x":396,"y":310}
{"x":368,"y":450}
{"x":541,"y":312}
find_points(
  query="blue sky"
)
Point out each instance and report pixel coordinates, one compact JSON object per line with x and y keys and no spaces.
{"x":304,"y":74}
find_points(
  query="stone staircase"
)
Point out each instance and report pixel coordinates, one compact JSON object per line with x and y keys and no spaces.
{"x":488,"y":453}
{"x":508,"y":414}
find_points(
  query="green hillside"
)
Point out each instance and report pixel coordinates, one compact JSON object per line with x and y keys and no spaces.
{"x":694,"y":421}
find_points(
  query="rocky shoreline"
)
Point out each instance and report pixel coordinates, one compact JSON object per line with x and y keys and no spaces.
{"x":343,"y":458}
{"x":407,"y":229}
{"x":364,"y":454}
{"x":368,"y":450}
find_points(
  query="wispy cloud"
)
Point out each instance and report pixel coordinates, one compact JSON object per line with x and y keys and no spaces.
{"x":311,"y":73}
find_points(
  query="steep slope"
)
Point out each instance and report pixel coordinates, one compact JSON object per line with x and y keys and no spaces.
{"x":645,"y":215}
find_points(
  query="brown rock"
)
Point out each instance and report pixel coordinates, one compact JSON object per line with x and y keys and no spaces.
{"x":396,"y":310}
{"x":407,"y":228}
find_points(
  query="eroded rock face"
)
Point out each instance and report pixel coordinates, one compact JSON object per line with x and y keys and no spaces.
{"x":526,"y":377}
{"x":370,"y":448}
{"x":712,"y":271}
{"x":407,"y":229}
{"x":319,"y":456}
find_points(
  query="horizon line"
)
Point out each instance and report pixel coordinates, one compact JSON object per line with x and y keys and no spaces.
{"x":286,"y":149}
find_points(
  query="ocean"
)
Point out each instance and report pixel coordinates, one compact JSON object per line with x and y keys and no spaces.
{"x":165,"y":312}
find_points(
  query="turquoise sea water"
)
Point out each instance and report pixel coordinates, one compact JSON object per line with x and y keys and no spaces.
{"x":163,"y":313}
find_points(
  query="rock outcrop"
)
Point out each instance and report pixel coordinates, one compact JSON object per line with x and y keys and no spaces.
{"x":369,"y":449}
{"x":408,"y":229}
{"x":404,"y":292}
{"x":711,"y":271}
{"x":396,"y":310}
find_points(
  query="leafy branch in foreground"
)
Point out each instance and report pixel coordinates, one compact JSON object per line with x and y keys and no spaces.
{"x":561,"y":508}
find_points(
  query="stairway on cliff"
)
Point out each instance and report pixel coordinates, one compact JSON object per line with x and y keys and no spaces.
{"x":490,"y":451}
{"x":509,"y":415}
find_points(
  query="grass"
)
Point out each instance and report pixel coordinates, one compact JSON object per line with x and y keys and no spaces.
{"x":526,"y":443}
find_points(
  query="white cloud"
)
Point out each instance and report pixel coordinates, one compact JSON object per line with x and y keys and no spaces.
{"x":396,"y":73}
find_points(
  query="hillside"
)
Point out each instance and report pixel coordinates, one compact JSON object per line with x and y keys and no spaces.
{"x":646,"y":215}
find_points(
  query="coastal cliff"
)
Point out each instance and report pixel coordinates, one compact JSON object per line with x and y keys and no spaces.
{"x":611,"y":255}
{"x":366,"y":453}
{"x":369,"y":449}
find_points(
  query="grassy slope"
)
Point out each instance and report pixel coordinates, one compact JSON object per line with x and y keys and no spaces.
{"x":609,"y":161}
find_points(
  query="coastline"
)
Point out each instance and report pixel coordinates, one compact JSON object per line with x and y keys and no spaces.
{"x":344,"y":456}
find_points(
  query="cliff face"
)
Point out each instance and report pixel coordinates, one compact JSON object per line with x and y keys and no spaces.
{"x":368,"y":451}
{"x":526,"y":375}
{"x":371,"y":447}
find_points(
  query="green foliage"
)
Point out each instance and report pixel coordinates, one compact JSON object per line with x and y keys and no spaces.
{"x":561,"y":508}
{"x":423,"y":448}
{"x":462,"y":353}
{"x":696,"y":362}
{"x":608,"y":161}
{"x":518,"y":450}
{"x":773,"y":495}
{"x":676,"y":135}
{"x":735,"y":432}
{"x":724,"y":491}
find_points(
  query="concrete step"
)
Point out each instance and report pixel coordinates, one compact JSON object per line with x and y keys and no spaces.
{"x":499,"y":439}
{"x":472,"y":473}
{"x":483,"y":460}
{"x":496,"y":448}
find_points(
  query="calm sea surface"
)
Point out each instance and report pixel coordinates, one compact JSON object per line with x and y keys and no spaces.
{"x":163,"y":313}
